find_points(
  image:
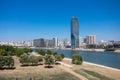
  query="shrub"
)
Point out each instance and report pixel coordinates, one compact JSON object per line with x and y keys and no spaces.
{"x":58,"y":57}
{"x":49,"y":60}
{"x":62,"y":55}
{"x":77,"y":59}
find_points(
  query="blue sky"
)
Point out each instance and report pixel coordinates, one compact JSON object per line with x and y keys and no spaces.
{"x":31,"y":19}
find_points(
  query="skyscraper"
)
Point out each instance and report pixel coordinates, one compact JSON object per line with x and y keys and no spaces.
{"x":74,"y":32}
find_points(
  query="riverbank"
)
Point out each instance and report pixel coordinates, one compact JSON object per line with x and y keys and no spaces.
{"x":104,"y":70}
{"x":89,"y":63}
{"x":96,"y":50}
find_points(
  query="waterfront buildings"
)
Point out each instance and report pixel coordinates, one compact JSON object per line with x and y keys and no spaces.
{"x":39,"y":42}
{"x":91,"y":39}
{"x":18,"y":43}
{"x":50,"y":43}
{"x":74,"y":32}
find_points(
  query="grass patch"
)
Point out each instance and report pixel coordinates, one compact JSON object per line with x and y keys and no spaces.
{"x":2,"y":78}
{"x":64,"y":76}
{"x":91,"y":75}
{"x":60,"y":76}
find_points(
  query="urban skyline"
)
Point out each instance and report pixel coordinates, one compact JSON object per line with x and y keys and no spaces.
{"x":20,"y":21}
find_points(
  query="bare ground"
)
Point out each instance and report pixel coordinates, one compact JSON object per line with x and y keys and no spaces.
{"x":114,"y":74}
{"x":37,"y":71}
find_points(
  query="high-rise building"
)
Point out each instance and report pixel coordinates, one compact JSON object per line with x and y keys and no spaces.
{"x":55,"y":42}
{"x":80,"y":42}
{"x":91,"y":39}
{"x":74,"y":32}
{"x":64,"y":42}
{"x":39,"y":42}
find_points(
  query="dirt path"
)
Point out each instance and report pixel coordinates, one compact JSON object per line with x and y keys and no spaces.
{"x":72,"y":72}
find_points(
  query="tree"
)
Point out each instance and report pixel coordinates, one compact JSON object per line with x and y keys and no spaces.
{"x":40,"y":59}
{"x":6,"y":61}
{"x":2,"y":52}
{"x":1,"y":62}
{"x":26,"y":50}
{"x":49,"y":60}
{"x":49,"y":52}
{"x":9,"y":61}
{"x":62,"y":55}
{"x":77,"y":59}
{"x":55,"y":53}
{"x":24,"y":59}
{"x":19,"y":52}
{"x":58,"y":57}
{"x":41,"y":52}
{"x":9,"y":50}
{"x":33,"y":59}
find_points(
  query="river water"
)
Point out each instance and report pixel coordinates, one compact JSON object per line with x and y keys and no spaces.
{"x":110,"y":59}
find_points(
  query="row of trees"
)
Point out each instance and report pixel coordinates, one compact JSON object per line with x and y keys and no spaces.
{"x":6,"y":53}
{"x":47,"y":57}
{"x":6,"y":62}
{"x":30,"y":59}
{"x":10,"y":51}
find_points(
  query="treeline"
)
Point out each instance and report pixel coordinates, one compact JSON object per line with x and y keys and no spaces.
{"x":10,"y":51}
{"x":6,"y":53}
{"x":45,"y":57}
{"x":27,"y":60}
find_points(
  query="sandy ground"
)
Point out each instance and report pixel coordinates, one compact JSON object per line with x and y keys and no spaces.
{"x":36,"y":71}
{"x":29,"y":71}
{"x":109,"y":72}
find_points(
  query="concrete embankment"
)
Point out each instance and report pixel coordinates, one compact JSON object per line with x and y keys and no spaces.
{"x":101,"y":50}
{"x":118,"y":51}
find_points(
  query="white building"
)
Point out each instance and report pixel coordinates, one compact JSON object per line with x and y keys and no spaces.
{"x":91,"y":39}
{"x":80,"y":42}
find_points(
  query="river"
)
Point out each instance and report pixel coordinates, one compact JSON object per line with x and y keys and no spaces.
{"x":110,"y":59}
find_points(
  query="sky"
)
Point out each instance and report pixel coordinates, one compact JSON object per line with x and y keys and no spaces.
{"x":31,"y":19}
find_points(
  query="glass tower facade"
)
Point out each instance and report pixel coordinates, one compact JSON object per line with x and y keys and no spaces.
{"x":74,"y":32}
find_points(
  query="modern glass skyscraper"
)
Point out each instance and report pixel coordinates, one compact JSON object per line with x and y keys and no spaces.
{"x":74,"y":32}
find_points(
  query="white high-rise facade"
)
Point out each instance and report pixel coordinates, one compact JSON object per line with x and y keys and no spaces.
{"x":56,"y":42}
{"x":91,"y":39}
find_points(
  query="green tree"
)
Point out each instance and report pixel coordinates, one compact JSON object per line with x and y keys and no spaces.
{"x":77,"y":59}
{"x":26,"y":50}
{"x":24,"y":59}
{"x":6,"y":61}
{"x":49,"y":60}
{"x":9,"y":61}
{"x":40,"y":59}
{"x":55,"y":53}
{"x":62,"y":55}
{"x":19,"y":52}
{"x":58,"y":57}
{"x":1,"y":62}
{"x":2,"y":52}
{"x":41,"y":52}
{"x":33,"y":60}
{"x":49,"y":52}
